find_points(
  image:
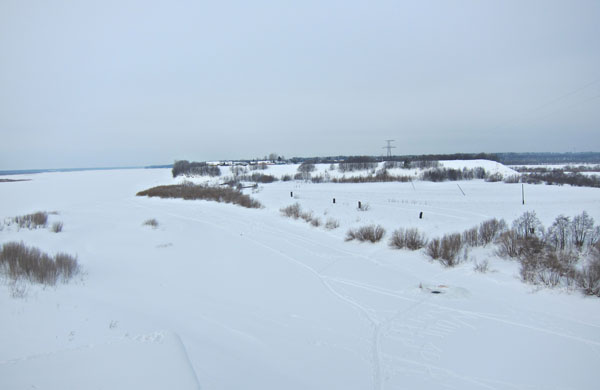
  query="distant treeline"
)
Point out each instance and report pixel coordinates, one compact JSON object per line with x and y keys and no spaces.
{"x":186,"y":168}
{"x":548,"y":158}
{"x":403,"y":158}
{"x":559,"y":177}
{"x":350,"y":162}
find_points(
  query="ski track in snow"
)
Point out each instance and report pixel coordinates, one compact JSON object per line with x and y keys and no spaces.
{"x":375,"y":342}
{"x":391,"y":327}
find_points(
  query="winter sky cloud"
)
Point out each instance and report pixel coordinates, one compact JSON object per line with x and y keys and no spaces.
{"x":142,"y":82}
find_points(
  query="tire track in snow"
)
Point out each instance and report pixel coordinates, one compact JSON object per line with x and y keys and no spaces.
{"x":375,"y":347}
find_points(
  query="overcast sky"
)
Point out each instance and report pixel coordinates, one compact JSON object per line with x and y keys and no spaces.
{"x":115,"y":83}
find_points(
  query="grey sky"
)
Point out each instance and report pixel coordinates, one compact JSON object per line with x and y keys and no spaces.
{"x":110,"y":83}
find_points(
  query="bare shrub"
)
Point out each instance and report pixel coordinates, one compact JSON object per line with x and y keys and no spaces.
{"x":370,"y":233}
{"x":286,"y":178}
{"x":508,"y":244}
{"x":451,"y":245}
{"x":304,"y":170}
{"x":292,"y":211}
{"x":56,"y":227}
{"x":316,"y":222}
{"x":187,"y":168}
{"x":546,"y":267}
{"x":512,"y":179}
{"x":307,"y":216}
{"x":151,"y":222}
{"x":446,"y":249}
{"x":364,"y":207}
{"x":582,"y":227}
{"x":66,"y":265}
{"x":471,"y":237}
{"x":410,"y":238}
{"x":588,"y":279}
{"x":559,"y":233}
{"x":528,"y":225}
{"x":357,"y":163}
{"x":32,"y":221}
{"x":19,"y":261}
{"x":494,"y":177}
{"x":260,"y":178}
{"x":482,"y":267}
{"x":332,"y":224}
{"x":192,"y":191}
{"x":434,"y":248}
{"x":489,"y":230}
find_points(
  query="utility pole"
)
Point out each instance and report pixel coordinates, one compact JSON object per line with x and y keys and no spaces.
{"x":389,"y":147}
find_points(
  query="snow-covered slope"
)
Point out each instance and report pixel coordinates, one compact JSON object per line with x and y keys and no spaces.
{"x":331,"y":171}
{"x":260,"y":301}
{"x":156,"y":361}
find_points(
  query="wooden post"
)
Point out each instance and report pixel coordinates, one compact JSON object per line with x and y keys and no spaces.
{"x":359,"y":205}
{"x":291,"y":194}
{"x":333,"y":200}
{"x":421,"y":215}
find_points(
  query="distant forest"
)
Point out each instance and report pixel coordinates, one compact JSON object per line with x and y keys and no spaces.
{"x":504,"y":158}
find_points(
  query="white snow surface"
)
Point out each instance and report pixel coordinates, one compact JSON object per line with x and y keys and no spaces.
{"x":245,"y":298}
{"x":331,"y":171}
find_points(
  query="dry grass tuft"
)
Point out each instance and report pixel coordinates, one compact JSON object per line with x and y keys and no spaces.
{"x":370,"y":233}
{"x":19,"y":261}
{"x":192,"y":192}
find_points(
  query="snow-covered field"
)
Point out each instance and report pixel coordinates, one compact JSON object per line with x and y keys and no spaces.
{"x":222,"y":297}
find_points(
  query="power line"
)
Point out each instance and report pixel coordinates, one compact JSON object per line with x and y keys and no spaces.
{"x":389,"y":147}
{"x":546,"y":104}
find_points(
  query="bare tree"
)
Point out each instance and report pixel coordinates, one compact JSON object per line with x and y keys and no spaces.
{"x":559,"y":233}
{"x":582,"y":228}
{"x":527,"y":225}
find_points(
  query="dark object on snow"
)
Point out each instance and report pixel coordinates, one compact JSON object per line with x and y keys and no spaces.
{"x":435,"y":292}
{"x":291,"y":194}
{"x":421,"y":215}
{"x":333,"y":200}
{"x":359,"y":204}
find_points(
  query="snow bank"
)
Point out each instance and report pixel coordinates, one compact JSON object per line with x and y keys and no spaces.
{"x":489,"y":166}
